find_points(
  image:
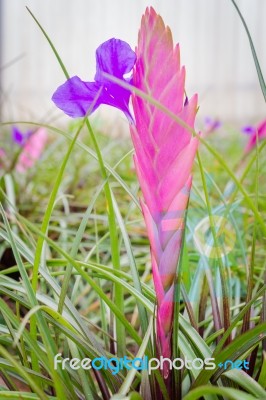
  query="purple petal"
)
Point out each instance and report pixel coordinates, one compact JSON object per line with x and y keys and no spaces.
{"x":114,"y":57}
{"x":77,"y":98}
{"x":208,"y":120}
{"x":116,"y":96}
{"x":212,"y":123}
{"x":248,"y":129}
{"x":17,"y":136}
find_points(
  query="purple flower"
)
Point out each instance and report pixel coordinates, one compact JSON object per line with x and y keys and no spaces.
{"x":77,"y":98}
{"x":19,"y":137}
{"x":255,"y":133}
{"x":211,"y":125}
{"x":248,"y":130}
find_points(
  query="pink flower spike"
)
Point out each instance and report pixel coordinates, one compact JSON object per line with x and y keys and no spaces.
{"x":259,"y":130}
{"x":32,"y":150}
{"x":164,"y":156}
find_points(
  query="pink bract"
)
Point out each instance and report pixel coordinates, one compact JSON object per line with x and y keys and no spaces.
{"x":259,"y":131}
{"x":32,"y":150}
{"x":164,"y":155}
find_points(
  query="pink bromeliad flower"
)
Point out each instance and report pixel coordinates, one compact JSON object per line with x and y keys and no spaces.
{"x":31,"y":145}
{"x":32,"y":150}
{"x":253,"y":132}
{"x":164,"y":155}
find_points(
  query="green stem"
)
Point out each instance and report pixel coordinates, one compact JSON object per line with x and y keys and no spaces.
{"x":102,"y":305}
{"x":246,"y":320}
{"x":115,"y":252}
{"x":40,"y":241}
{"x":176,"y":381}
{"x":255,"y":58}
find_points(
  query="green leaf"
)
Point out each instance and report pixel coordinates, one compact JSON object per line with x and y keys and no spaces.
{"x":246,"y":382}
{"x":22,"y":395}
{"x":262,"y":376}
{"x":230,"y":394}
{"x":254,"y":55}
{"x":239,"y":346}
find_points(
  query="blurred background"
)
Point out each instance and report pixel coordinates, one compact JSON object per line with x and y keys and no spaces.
{"x":214,"y":48}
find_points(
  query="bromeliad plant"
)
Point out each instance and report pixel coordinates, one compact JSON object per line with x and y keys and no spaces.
{"x":86,"y":290}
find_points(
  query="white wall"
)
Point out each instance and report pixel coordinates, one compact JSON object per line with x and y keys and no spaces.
{"x":214,"y":48}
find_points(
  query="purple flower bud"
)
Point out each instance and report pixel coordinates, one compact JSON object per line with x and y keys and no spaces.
{"x":19,"y":137}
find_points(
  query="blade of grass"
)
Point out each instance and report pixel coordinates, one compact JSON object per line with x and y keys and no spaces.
{"x":246,"y":382}
{"x":23,"y":395}
{"x":133,"y":267}
{"x":50,"y":43}
{"x":104,"y":323}
{"x":115,"y":249}
{"x":250,"y":277}
{"x":75,"y":248}
{"x":254,"y":55}
{"x":223,"y":276}
{"x":125,"y":387}
{"x":262,"y":375}
{"x":237,"y":319}
{"x":176,"y":386}
{"x":228,"y":393}
{"x":86,"y":387}
{"x":233,"y":351}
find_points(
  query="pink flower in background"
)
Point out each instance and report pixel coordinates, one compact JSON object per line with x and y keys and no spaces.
{"x":164,"y":155}
{"x":211,"y":125}
{"x":253,"y":132}
{"x":32,"y":150}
